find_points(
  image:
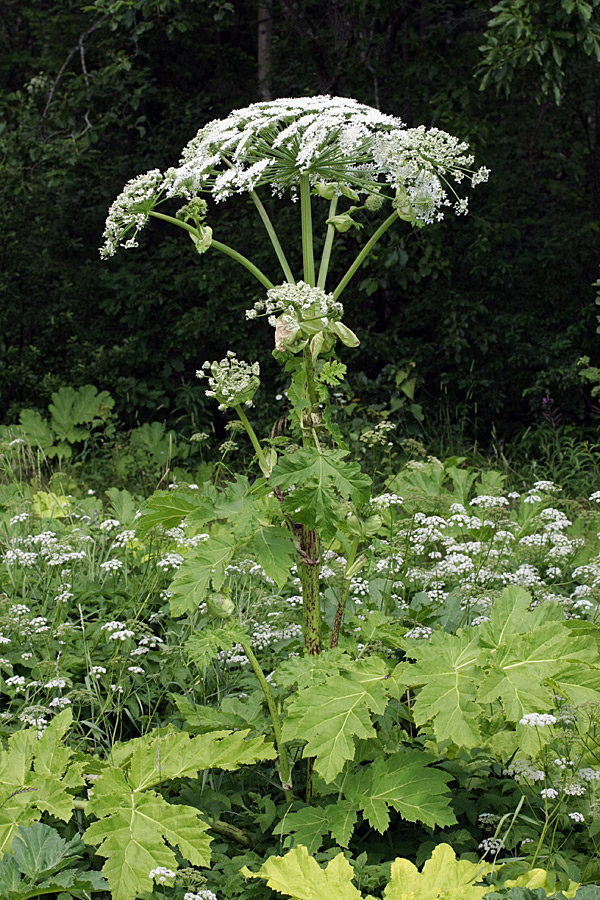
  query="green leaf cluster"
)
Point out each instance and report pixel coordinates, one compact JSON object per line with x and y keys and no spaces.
{"x":136,"y":827}
{"x":316,"y":479}
{"x":521,"y":661}
{"x":37,"y":774}
{"x":239,"y":519}
{"x":42,"y":863}
{"x":299,"y":875}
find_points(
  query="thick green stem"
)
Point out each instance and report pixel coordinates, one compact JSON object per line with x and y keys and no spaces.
{"x":252,"y":435}
{"x":339,"y":613}
{"x":308,"y":257}
{"x":364,"y":253}
{"x":284,"y":762}
{"x":326,"y":255}
{"x":273,"y":237}
{"x":224,"y":248}
{"x":311,"y":384}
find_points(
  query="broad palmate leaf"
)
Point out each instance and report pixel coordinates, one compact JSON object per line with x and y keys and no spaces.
{"x":43,"y":863}
{"x":299,"y":875}
{"x":203,"y":566}
{"x":308,"y":826}
{"x":518,"y":661}
{"x":405,"y":782}
{"x":274,"y":551}
{"x":442,"y":876}
{"x":169,"y":509}
{"x":329,"y":716}
{"x":135,"y":824}
{"x":316,"y":477}
{"x":35,"y":777}
{"x":449,"y":668}
{"x":204,"y":645}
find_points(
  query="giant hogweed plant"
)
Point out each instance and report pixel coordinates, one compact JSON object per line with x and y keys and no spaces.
{"x":352,"y":162}
{"x":340,"y":152}
{"x":358,"y":739}
{"x":355,"y":160}
{"x":351,"y":717}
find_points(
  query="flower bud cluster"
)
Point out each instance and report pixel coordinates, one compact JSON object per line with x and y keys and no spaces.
{"x":307,"y":315}
{"x":231,"y":380}
{"x":418,"y":162}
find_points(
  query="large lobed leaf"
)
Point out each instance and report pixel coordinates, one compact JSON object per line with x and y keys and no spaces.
{"x":42,"y":862}
{"x":318,"y":478}
{"x":405,"y":782}
{"x":201,"y":568}
{"x":519,"y":659}
{"x":298,"y":875}
{"x":35,"y":776}
{"x":329,"y":716}
{"x":135,"y":824}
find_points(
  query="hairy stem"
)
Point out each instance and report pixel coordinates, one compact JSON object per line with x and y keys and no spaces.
{"x":326,"y":255}
{"x":309,"y":567}
{"x":224,"y":248}
{"x":284,"y":762}
{"x":339,"y":613}
{"x":364,"y":253}
{"x":273,"y":237}
{"x":308,"y":257}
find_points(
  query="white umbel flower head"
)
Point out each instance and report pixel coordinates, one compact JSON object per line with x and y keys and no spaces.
{"x":538,"y":720}
{"x":341,"y":145}
{"x":231,"y":380}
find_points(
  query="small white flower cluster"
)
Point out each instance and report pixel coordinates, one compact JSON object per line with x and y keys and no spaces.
{"x":129,"y":212}
{"x":161,"y":874}
{"x":300,"y":300}
{"x":549,"y":793}
{"x":112,"y":565}
{"x":20,"y":517}
{"x":491,"y":845}
{"x":60,"y":702}
{"x":538,"y":720}
{"x":384,"y":501}
{"x":522,"y":770}
{"x":232,"y":381}
{"x":200,"y":895}
{"x":488,"y":502}
{"x":419,"y":632}
{"x":170,"y":561}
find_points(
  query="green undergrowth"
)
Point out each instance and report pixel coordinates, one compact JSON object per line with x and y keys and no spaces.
{"x":144,"y":733}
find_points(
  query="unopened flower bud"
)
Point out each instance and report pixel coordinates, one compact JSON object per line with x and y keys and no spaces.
{"x":221,"y":606}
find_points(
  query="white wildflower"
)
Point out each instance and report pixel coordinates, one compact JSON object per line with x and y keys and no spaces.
{"x":161,"y":874}
{"x":549,"y":794}
{"x":538,"y":720}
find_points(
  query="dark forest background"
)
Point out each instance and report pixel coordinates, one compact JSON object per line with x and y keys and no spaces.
{"x":494,"y":309}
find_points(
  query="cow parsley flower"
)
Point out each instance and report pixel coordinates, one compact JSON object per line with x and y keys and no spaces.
{"x":549,"y":793}
{"x":161,"y":874}
{"x":538,"y":719}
